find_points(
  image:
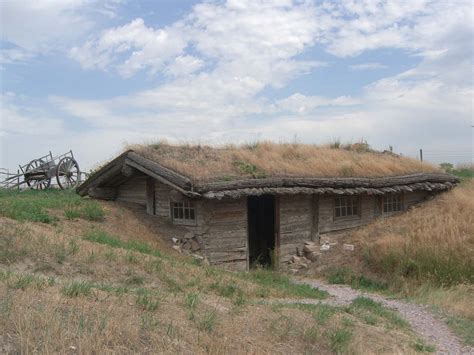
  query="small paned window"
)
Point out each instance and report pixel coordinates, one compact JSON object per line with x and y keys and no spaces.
{"x":392,"y":203}
{"x":346,"y":206}
{"x":183,"y":211}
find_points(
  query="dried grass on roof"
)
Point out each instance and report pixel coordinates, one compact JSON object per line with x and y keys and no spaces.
{"x":266,"y":159}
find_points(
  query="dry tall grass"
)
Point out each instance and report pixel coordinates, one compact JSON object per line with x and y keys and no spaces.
{"x":267,"y":159}
{"x":433,"y":242}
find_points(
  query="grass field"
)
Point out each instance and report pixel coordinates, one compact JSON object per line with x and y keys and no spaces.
{"x":72,"y":280}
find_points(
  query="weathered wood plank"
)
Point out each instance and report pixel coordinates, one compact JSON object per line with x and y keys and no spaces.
{"x":150,"y":196}
{"x":103,"y":193}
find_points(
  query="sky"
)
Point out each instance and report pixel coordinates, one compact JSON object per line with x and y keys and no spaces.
{"x":94,"y":76}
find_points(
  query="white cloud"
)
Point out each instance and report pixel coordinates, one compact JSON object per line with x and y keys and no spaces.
{"x":368,"y":66}
{"x":184,"y":65}
{"x":37,"y":27}
{"x":13,"y":55}
{"x":420,"y":26}
{"x":20,"y":126}
{"x":17,"y":117}
{"x":142,"y":47}
{"x":239,"y":48}
{"x":301,"y":104}
{"x":238,"y":39}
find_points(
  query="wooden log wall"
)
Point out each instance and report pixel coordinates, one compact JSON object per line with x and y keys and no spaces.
{"x":412,"y":198}
{"x":327,"y":222}
{"x":150,"y":195}
{"x":133,"y":190}
{"x":296,"y":223}
{"x":224,"y":228}
{"x":162,"y":199}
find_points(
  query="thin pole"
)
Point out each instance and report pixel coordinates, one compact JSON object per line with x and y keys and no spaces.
{"x":421,"y":154}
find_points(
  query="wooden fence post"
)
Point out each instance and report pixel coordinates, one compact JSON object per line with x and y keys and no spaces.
{"x":421,"y":154}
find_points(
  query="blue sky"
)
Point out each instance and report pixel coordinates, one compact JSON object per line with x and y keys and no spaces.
{"x":92,"y":76}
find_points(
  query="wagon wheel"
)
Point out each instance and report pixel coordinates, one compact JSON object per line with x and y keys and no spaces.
{"x":38,"y":183}
{"x":67,"y":173}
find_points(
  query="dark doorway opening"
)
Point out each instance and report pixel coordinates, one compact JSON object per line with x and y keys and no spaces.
{"x":261,"y":229}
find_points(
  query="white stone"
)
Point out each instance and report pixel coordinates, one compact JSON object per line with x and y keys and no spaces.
{"x":325,"y":247}
{"x":349,"y":247}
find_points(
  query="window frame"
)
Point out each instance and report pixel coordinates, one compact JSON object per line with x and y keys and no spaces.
{"x":188,"y":208}
{"x":345,"y":206}
{"x":392,"y":211}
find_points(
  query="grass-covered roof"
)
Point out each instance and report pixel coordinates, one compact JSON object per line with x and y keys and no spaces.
{"x":204,"y":164}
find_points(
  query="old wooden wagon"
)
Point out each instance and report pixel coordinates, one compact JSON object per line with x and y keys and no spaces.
{"x":38,"y":173}
{"x":245,"y":204}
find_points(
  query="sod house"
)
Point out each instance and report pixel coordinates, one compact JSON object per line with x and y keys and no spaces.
{"x":246,"y":204}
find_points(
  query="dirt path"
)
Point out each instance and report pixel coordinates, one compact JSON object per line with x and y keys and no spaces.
{"x":431,"y":329}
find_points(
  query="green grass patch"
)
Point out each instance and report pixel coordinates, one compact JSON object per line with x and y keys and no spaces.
{"x":104,"y":238}
{"x":207,"y":321}
{"x":464,"y":173}
{"x":425,"y":264}
{"x":92,"y":212}
{"x":191,"y":300}
{"x":323,"y":313}
{"x":248,"y":169}
{"x":421,"y":347}
{"x":273,"y":279}
{"x":33,"y":205}
{"x":463,"y":327}
{"x":339,"y":339}
{"x":368,"y":310}
{"x":147,"y":300}
{"x":347,"y":277}
{"x":110,"y":288}
{"x":77,"y":288}
{"x":22,"y":281}
{"x":224,"y":290}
